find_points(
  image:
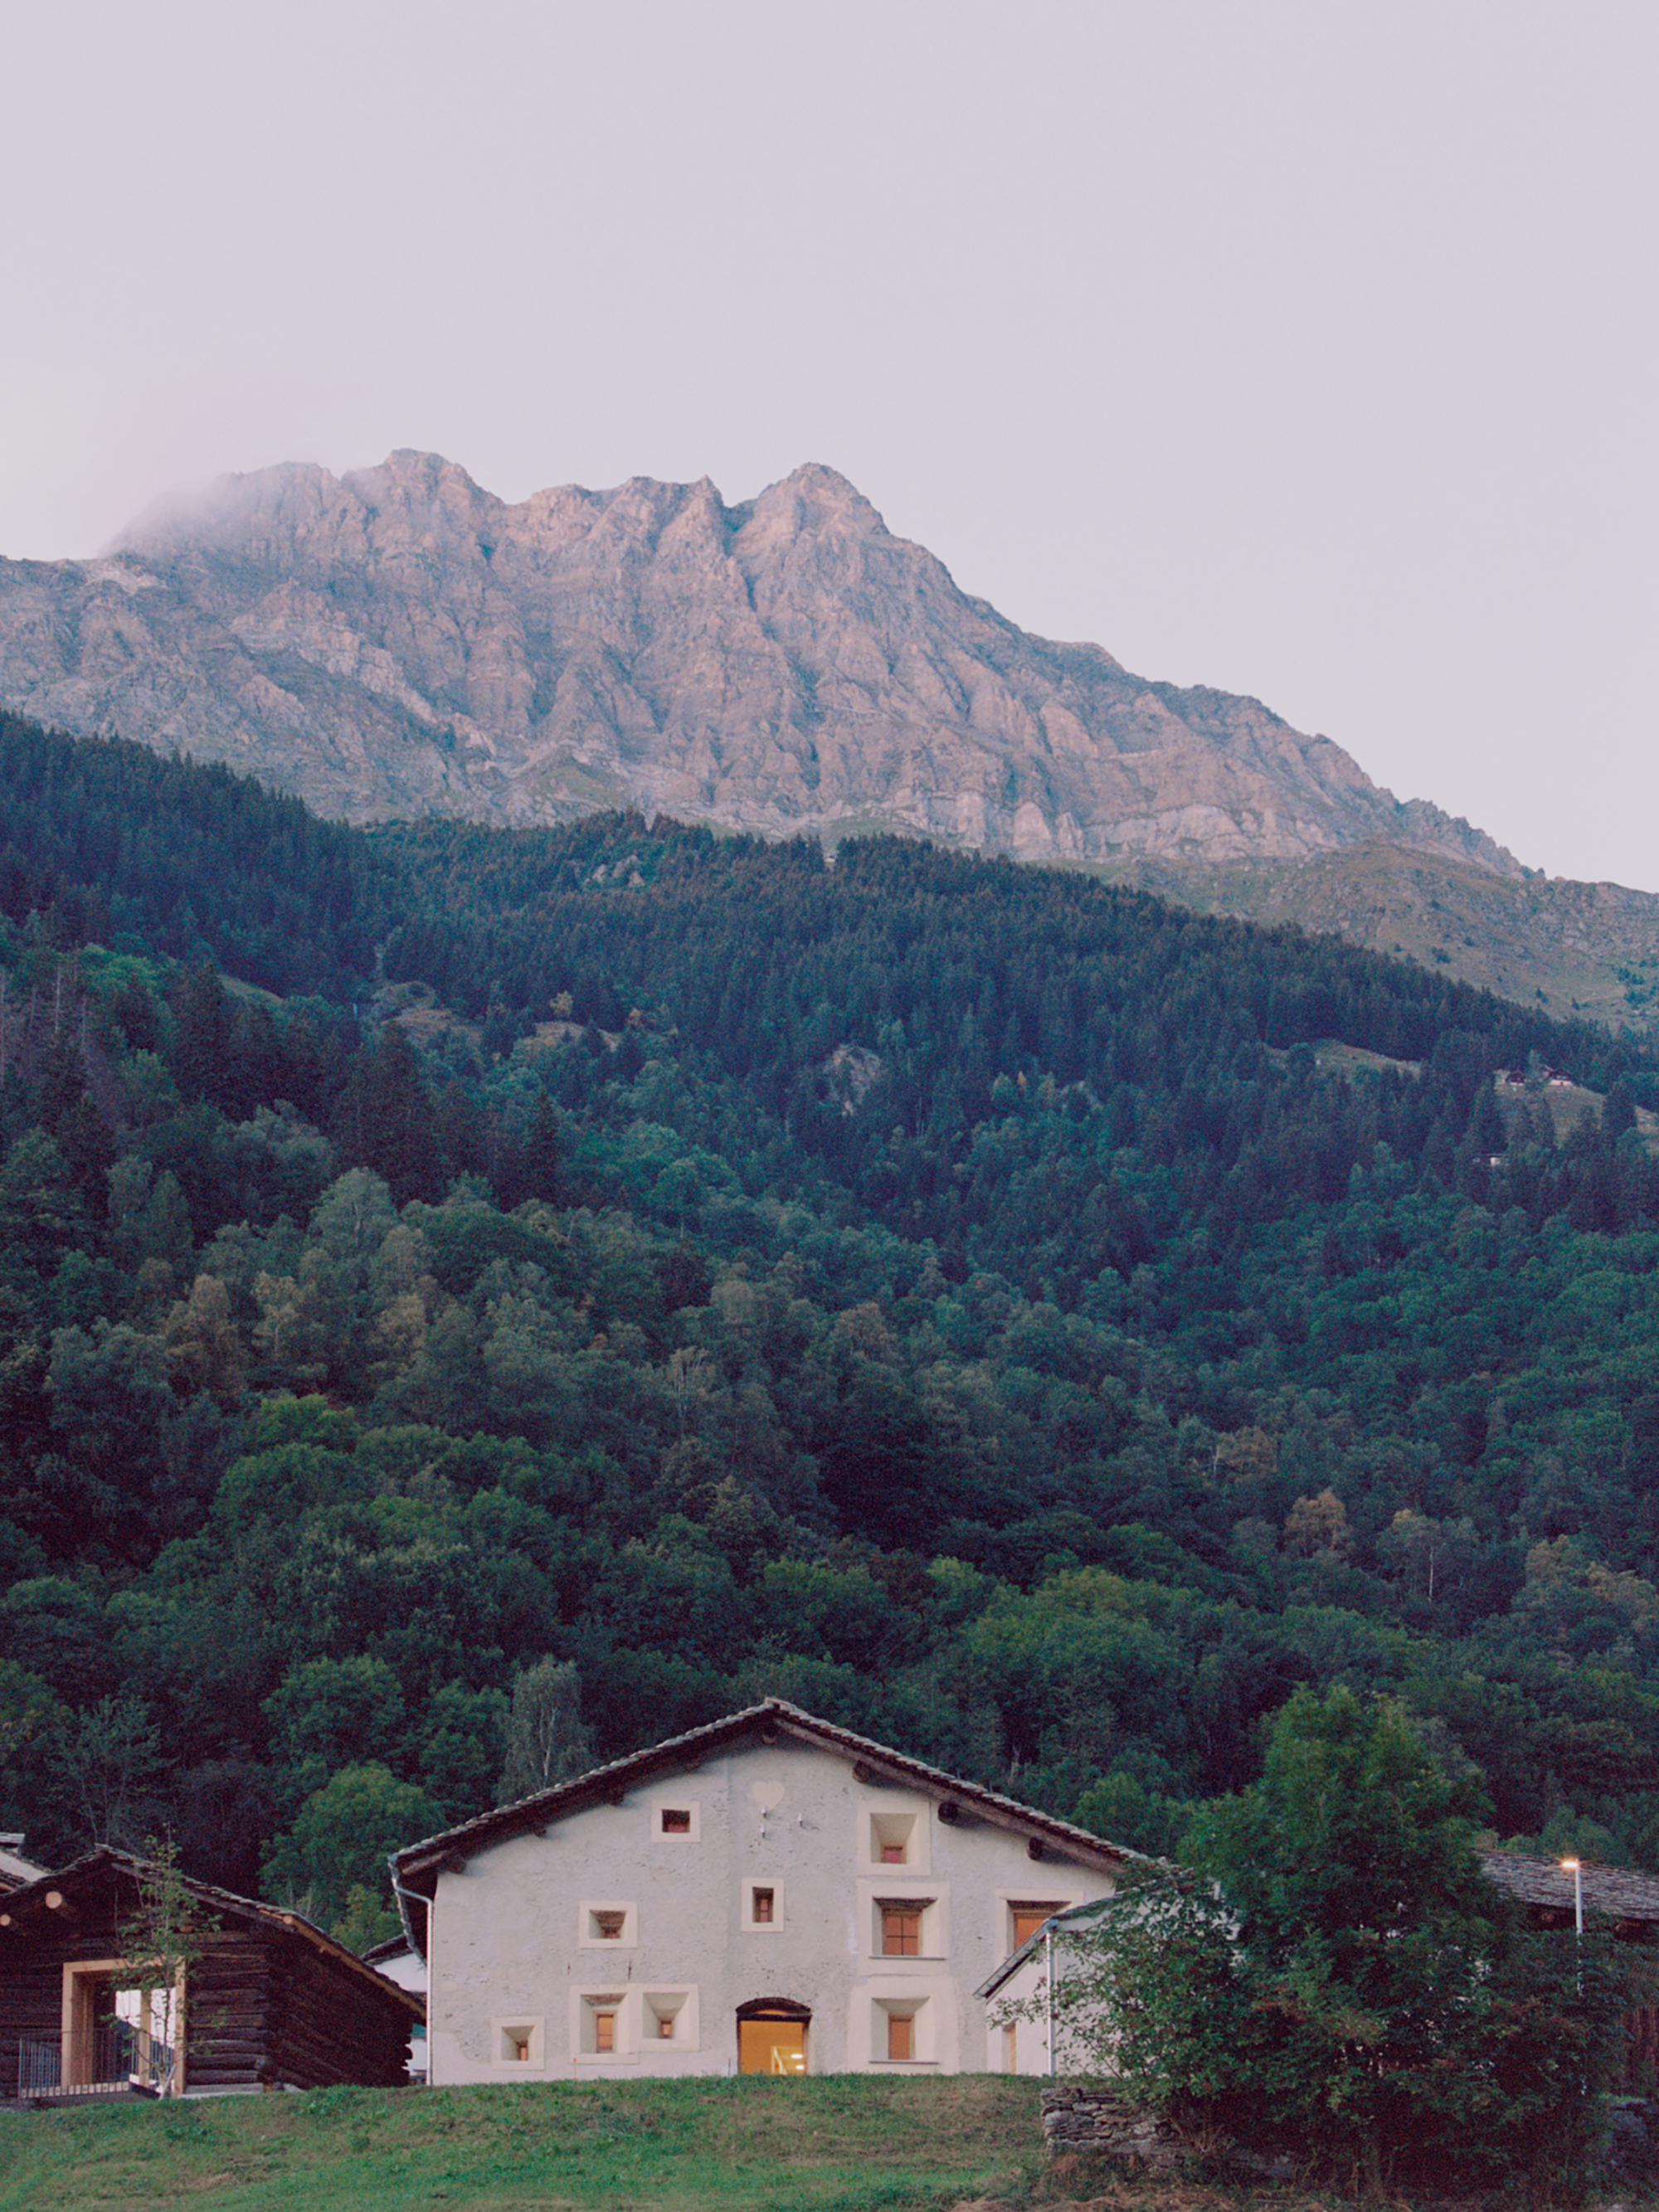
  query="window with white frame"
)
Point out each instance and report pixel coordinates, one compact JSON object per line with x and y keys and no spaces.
{"x":669,"y":2017}
{"x":675,"y":1820}
{"x":763,"y":1904}
{"x":601,"y":2024}
{"x":901,"y":2033}
{"x":906,"y":1927}
{"x":893,"y":1838}
{"x":518,"y":2041}
{"x":607,"y":1923}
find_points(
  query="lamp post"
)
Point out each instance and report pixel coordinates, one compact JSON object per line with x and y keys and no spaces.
{"x":1575,"y":1868}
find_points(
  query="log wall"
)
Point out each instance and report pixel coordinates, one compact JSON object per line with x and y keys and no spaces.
{"x":263,"y":2007}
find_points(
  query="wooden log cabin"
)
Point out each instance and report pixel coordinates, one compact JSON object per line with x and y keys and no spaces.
{"x":259,"y":1999}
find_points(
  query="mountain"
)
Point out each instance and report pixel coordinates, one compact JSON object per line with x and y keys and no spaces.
{"x":1577,"y":948}
{"x":396,"y":641}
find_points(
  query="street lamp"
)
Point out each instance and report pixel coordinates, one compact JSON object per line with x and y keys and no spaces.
{"x":1574,"y":1868}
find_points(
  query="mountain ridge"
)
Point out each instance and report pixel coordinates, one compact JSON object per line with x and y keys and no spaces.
{"x":397,"y":640}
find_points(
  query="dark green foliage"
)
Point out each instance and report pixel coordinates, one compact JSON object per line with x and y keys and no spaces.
{"x":952,"y":1295}
{"x":1331,"y":1976}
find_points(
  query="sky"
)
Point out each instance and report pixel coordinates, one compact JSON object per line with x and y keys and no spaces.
{"x":1307,"y":348}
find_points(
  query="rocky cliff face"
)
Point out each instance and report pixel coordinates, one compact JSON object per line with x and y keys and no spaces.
{"x":398,"y":641}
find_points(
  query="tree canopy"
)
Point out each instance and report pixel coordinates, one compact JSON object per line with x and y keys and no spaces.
{"x":472,"y":1299}
{"x":1329,"y":1974}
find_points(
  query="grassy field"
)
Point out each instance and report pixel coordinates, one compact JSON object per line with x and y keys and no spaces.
{"x":838,"y":2144}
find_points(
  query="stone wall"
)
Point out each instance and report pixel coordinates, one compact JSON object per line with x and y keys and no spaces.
{"x":1082,"y":2119}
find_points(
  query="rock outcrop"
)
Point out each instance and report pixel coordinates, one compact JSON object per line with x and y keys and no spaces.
{"x":398,"y":641}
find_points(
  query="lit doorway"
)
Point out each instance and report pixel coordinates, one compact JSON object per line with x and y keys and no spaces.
{"x":771,"y":2037}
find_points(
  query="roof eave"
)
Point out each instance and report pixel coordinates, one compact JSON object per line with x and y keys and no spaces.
{"x":422,"y":1862}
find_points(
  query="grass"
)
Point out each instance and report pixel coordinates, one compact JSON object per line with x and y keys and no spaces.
{"x":751,"y":2144}
{"x":839,"y":2143}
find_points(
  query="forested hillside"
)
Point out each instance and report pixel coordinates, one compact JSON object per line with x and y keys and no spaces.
{"x":471,"y":1301}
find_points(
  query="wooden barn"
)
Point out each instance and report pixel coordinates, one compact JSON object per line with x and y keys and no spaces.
{"x":119,"y":1976}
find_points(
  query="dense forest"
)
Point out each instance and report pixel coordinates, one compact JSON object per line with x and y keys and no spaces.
{"x":473,"y":1301}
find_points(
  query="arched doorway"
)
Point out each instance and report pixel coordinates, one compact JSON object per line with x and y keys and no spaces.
{"x":772,"y":2036}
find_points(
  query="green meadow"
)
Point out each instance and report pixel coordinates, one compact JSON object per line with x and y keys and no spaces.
{"x":838,"y":2144}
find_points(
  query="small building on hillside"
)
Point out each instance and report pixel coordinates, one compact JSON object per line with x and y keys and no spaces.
{"x":1019,"y":2028}
{"x":260,"y":1999}
{"x":1015,"y":1993}
{"x":769,"y":1893}
{"x":1550,"y":1895}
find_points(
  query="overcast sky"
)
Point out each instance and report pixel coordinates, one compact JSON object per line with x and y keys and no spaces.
{"x":1303,"y":348}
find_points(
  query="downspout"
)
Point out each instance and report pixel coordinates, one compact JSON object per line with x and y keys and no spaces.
{"x":1048,"y":1940}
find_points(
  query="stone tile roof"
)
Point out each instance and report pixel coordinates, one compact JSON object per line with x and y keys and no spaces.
{"x":414,"y":1869}
{"x":1618,"y":1892}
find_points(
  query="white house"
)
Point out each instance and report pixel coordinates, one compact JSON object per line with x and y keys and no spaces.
{"x":1020,"y":2035}
{"x":769,"y":1893}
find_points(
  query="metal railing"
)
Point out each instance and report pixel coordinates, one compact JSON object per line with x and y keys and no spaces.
{"x":116,"y":2054}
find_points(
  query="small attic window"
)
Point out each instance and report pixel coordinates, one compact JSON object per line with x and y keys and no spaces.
{"x":675,"y":1819}
{"x":607,"y":1926}
{"x":892,"y":1839}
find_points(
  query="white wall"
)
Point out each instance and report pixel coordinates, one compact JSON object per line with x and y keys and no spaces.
{"x":522,"y":1975}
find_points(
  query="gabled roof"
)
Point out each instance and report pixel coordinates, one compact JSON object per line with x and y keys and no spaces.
{"x":416,"y":1868}
{"x":25,"y":1907}
{"x":1548,"y":1885}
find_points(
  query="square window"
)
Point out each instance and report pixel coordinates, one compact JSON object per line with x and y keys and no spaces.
{"x":893,"y":1838}
{"x":607,"y":1922}
{"x":602,"y":2025}
{"x":761,"y":1905}
{"x":1026,"y":1916}
{"x":900,"y":1931}
{"x":517,"y":2042}
{"x":675,"y":1819}
{"x":669,"y":2016}
{"x":899,"y":2033}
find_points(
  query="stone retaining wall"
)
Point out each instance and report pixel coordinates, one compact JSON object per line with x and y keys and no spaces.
{"x":1085,"y":2119}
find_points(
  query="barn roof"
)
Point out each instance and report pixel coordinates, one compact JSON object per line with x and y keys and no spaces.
{"x":20,"y":1907}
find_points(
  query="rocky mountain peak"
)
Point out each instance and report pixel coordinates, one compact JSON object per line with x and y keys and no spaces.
{"x":398,"y":640}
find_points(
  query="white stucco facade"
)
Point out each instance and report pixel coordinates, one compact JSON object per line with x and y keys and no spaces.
{"x":1017,"y":2017}
{"x":625,"y":1927}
